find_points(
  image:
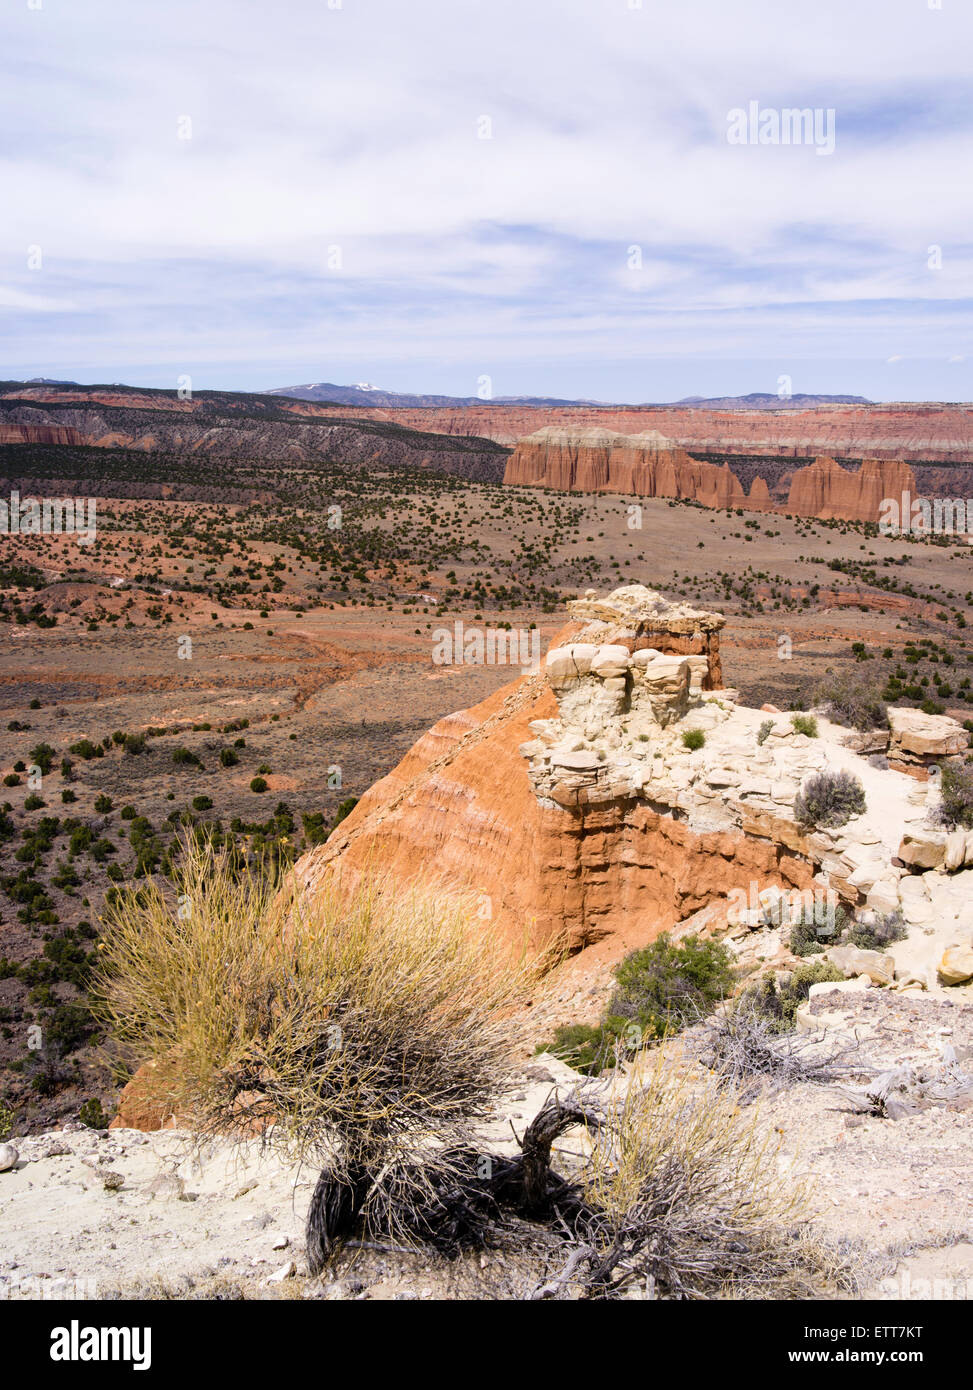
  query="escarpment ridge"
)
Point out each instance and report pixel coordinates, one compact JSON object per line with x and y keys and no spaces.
{"x":574,"y":808}
{"x":649,"y":465}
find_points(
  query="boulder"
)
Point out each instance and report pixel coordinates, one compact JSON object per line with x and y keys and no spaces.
{"x":852,"y":962}
{"x":955,"y":850}
{"x":576,"y":762}
{"x":666,"y":674}
{"x":956,"y":966}
{"x":698,"y":671}
{"x":923,"y":849}
{"x":925,"y":735}
{"x":860,"y":982}
{"x":610,"y":660}
{"x":883,"y":896}
{"x":8,"y":1157}
{"x":570,"y":662}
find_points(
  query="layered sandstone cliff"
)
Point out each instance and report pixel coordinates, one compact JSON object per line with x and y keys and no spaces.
{"x":649,"y":465}
{"x":571,"y":806}
{"x":39,"y":434}
{"x":221,"y":430}
{"x":914,"y":431}
{"x":824,"y":489}
{"x":593,"y":460}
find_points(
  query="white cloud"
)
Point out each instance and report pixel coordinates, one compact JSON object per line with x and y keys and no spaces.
{"x":357,"y":127}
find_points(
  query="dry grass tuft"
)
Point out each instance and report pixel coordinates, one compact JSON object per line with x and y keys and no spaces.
{"x":355,"y":1031}
{"x":687,"y":1197}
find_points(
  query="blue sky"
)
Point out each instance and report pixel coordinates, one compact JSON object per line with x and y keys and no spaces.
{"x":334,"y":213}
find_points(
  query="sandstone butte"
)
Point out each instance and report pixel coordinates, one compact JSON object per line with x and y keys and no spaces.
{"x":649,"y":465}
{"x":568,"y":806}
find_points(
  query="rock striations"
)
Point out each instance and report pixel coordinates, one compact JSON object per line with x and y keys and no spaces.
{"x":594,"y":460}
{"x":649,"y":465}
{"x":824,"y":489}
{"x":571,"y":806}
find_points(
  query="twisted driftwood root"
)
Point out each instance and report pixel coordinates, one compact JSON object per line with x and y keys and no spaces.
{"x":463,"y":1198}
{"x":332,"y":1215}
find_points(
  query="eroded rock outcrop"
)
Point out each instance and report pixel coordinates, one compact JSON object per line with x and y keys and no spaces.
{"x":649,"y":465}
{"x":574,"y":807}
{"x":645,"y":465}
{"x":824,"y":489}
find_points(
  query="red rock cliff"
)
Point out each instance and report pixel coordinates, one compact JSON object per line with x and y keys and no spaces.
{"x":826,"y":490}
{"x":649,"y":465}
{"x":460,"y":808}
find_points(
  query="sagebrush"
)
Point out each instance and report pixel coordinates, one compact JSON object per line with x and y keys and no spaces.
{"x":349,"y":1028}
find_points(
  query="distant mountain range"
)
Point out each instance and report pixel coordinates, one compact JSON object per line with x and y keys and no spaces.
{"x":469,"y":437}
{"x":766,"y":400}
{"x":366,"y":395}
{"x":363,"y":394}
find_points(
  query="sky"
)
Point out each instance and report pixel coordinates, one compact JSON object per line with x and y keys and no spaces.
{"x":516,"y":197}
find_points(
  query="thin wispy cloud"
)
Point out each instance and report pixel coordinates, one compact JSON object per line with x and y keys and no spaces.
{"x":422,"y":193}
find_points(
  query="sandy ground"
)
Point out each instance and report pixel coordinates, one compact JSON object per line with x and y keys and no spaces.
{"x":88,"y":1213}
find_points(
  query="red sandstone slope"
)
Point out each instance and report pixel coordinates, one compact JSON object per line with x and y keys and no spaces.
{"x":459,"y":808}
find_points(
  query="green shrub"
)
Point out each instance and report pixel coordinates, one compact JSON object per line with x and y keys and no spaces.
{"x":763,"y":733}
{"x":202,"y":803}
{"x":33,"y":802}
{"x":829,"y":799}
{"x":805,"y":724}
{"x":956,"y":787}
{"x":43,"y":755}
{"x":185,"y":757}
{"x":84,"y":748}
{"x":854,"y":701}
{"x":228,"y":758}
{"x":659,"y":989}
{"x":693,"y":739}
{"x":103,"y":803}
{"x":345,"y":808}
{"x":315,"y":827}
{"x":258,"y":784}
{"x":128,"y":813}
{"x":586,"y":1047}
{"x":666,"y":985}
{"x":134,"y":744}
{"x":816,"y":929}
{"x":92,"y":1114}
{"x":877,"y":935}
{"x":779,"y":1002}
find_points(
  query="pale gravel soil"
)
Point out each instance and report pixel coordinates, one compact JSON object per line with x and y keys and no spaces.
{"x":904,"y":1184}
{"x":218,"y":1225}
